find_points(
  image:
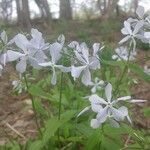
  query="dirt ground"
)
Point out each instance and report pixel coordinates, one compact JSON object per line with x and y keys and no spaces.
{"x":16,"y":115}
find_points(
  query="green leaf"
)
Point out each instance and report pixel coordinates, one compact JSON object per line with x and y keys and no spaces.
{"x":36,"y":145}
{"x":114,"y":63}
{"x":37,"y":91}
{"x":139,"y":71}
{"x":146,"y":112}
{"x":53,"y":124}
{"x":94,"y":141}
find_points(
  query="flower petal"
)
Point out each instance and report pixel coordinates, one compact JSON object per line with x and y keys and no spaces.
{"x":102,"y":115}
{"x":119,"y":114}
{"x":85,"y":51}
{"x":83,"y":111}
{"x":76,"y":71}
{"x":124,"y":31}
{"x":22,"y":42}
{"x":94,"y":63}
{"x":96,"y":108}
{"x":93,"y":90}
{"x":13,"y":55}
{"x":108,"y":90}
{"x":124,"y":98}
{"x":137,"y":101}
{"x":95,"y":99}
{"x":86,"y":77}
{"x":114,"y":123}
{"x":3,"y":36}
{"x":80,"y":57}
{"x":21,"y":65}
{"x":96,"y":48}
{"x":124,"y":39}
{"x":140,"y":11}
{"x":137,"y":27}
{"x":55,"y":51}
{"x":128,"y":27}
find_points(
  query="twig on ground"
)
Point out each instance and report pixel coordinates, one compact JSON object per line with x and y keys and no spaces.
{"x":14,"y":130}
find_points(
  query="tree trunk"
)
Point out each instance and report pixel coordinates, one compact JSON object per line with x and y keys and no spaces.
{"x":26,"y":14}
{"x":19,"y":12}
{"x":111,"y":7}
{"x":45,"y":10}
{"x":65,"y":9}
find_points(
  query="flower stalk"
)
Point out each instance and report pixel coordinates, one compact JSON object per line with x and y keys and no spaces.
{"x":33,"y":105}
{"x":60,"y":103}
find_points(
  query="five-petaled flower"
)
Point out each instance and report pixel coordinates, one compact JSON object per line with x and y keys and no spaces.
{"x":86,"y":62}
{"x":130,"y":32}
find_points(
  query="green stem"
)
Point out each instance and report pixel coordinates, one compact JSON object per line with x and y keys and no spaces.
{"x":60,"y":95}
{"x":124,"y":70}
{"x":60,"y":103}
{"x":33,"y":105}
{"x":102,"y":133}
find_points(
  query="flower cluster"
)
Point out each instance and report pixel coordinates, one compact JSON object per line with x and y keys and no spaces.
{"x":34,"y":51}
{"x":134,"y":29}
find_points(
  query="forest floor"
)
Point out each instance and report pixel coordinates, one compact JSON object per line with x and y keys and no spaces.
{"x":16,"y":115}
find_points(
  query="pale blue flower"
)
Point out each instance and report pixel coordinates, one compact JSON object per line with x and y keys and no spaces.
{"x":85,"y":63}
{"x":122,"y":53}
{"x":55,"y":53}
{"x":23,"y":55}
{"x":130,"y":32}
{"x":96,"y":85}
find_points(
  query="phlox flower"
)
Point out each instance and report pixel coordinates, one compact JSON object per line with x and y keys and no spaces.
{"x":37,"y":45}
{"x":147,"y":70}
{"x":85,"y":62}
{"x":122,"y":53}
{"x":131,"y":32}
{"x":96,"y":85}
{"x":109,"y":109}
{"x":6,"y":44}
{"x":23,"y":55}
{"x":55,"y":53}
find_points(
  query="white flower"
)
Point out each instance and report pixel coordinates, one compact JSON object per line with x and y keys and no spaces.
{"x":140,"y":12}
{"x":86,"y":62}
{"x":23,"y":56}
{"x":55,"y":52}
{"x":4,"y":39}
{"x":147,"y":70}
{"x":74,"y":45}
{"x":97,"y":48}
{"x":122,"y":53}
{"x":37,"y":46}
{"x":130,"y":32}
{"x":147,"y":36}
{"x":106,"y":109}
{"x":96,"y":85}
